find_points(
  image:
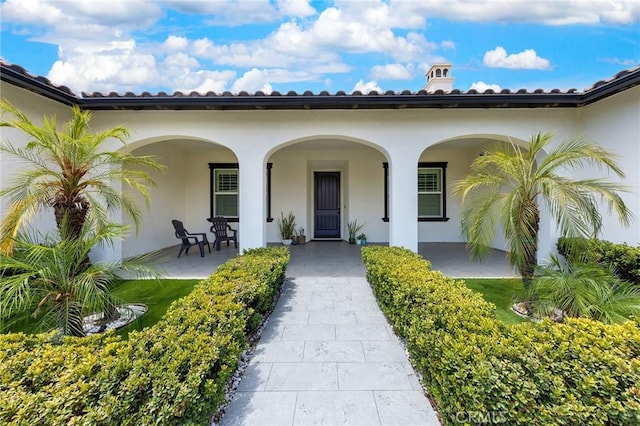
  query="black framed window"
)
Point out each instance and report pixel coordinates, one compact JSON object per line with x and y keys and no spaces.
{"x":432,"y":199}
{"x":224,"y":190}
{"x":224,"y":195}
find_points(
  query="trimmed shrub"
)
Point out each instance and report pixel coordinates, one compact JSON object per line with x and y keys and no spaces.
{"x":174,"y":372}
{"x":624,"y":259}
{"x":480,"y":370}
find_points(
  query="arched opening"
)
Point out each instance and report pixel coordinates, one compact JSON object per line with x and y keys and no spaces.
{"x":184,"y":190}
{"x":455,"y":156}
{"x":438,"y":72}
{"x":439,"y":167}
{"x":326,"y":182}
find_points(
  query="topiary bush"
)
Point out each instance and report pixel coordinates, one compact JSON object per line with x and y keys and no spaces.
{"x":174,"y":372}
{"x":480,"y":370}
{"x":624,"y":259}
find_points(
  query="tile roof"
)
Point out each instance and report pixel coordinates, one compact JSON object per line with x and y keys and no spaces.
{"x":506,"y":98}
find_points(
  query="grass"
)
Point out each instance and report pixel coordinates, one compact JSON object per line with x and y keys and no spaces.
{"x":501,"y":292}
{"x":156,"y":294}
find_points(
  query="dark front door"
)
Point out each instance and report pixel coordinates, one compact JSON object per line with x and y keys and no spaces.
{"x":327,"y":205}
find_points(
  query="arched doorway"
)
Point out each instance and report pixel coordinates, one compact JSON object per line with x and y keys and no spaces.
{"x":326,"y":182}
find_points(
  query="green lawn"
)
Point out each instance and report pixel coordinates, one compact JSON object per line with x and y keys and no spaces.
{"x":501,"y":292}
{"x":156,"y":294}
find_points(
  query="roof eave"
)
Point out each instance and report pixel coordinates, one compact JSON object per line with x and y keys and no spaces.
{"x":619,"y":84}
{"x":29,"y":83}
{"x":336,"y":102}
{"x":537,"y":99}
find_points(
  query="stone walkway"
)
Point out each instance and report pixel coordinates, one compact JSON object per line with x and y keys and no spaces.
{"x":327,"y":356}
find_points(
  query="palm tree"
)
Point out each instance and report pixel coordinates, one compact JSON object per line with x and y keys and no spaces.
{"x":582,"y":289}
{"x":69,"y":171}
{"x":506,"y":183}
{"x":50,"y":279}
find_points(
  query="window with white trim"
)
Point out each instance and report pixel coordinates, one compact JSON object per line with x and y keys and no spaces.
{"x":431,"y":191}
{"x":225,"y":193}
{"x":224,"y":190}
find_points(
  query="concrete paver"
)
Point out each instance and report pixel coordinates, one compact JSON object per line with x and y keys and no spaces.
{"x":327,"y":356}
{"x":336,"y":408}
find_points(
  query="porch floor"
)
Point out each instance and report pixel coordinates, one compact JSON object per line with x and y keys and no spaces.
{"x":450,"y":258}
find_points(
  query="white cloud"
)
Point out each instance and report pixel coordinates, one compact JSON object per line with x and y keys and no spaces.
{"x":112,"y":67}
{"x":262,"y":79}
{"x":228,"y":12}
{"x":481,"y":87}
{"x":367,"y":87}
{"x":175,"y":43}
{"x":527,"y":59}
{"x":85,"y":19}
{"x":545,"y":12}
{"x":346,"y":31}
{"x":391,"y":72}
{"x":204,"y":81}
{"x":181,"y":60}
{"x":448,"y":45}
{"x":297,"y":8}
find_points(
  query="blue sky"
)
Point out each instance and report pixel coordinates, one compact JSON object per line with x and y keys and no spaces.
{"x":251,"y":45}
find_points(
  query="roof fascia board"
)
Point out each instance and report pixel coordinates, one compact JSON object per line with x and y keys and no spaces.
{"x":338,"y":102}
{"x":34,"y":85}
{"x":611,"y":88}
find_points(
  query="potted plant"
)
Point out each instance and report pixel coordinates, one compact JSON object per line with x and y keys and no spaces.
{"x":301,"y":237}
{"x":352,"y":229}
{"x":362,"y":239}
{"x":287,"y":227}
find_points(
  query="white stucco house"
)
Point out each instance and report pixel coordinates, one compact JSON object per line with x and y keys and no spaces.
{"x":385,"y":159}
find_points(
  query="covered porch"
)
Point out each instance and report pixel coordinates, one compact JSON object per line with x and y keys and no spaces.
{"x":452,"y":259}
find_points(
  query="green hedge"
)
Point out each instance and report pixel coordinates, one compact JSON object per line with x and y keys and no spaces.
{"x":174,"y":372}
{"x":624,"y":259}
{"x":480,"y":370}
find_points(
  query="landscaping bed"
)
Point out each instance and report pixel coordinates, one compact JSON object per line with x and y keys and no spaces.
{"x":174,"y":372}
{"x":157,"y":295}
{"x":502,"y":292}
{"x":479,"y":369}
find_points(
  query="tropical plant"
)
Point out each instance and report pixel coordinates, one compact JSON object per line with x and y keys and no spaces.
{"x":507,"y":182}
{"x":287,"y":225}
{"x":352,"y":229}
{"x":51,"y":279}
{"x":69,"y":171}
{"x":584,"y":290}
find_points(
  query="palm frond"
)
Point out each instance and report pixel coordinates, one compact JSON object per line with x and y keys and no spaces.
{"x":71,"y":162}
{"x":585,"y":290}
{"x":539,"y":173}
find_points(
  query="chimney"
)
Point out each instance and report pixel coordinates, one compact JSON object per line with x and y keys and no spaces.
{"x":439,"y":78}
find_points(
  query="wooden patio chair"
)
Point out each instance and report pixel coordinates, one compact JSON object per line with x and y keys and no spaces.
{"x":220,"y":228}
{"x":190,"y":239}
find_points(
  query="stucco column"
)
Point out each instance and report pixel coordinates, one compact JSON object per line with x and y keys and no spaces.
{"x":251,"y":200}
{"x":403,"y":200}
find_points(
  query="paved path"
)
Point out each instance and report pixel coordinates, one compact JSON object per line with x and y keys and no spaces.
{"x":327,"y":355}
